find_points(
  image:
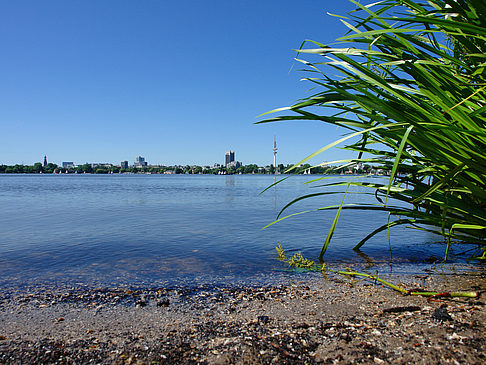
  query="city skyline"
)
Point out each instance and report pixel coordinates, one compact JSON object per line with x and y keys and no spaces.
{"x":141,"y":161}
{"x":106,"y":81}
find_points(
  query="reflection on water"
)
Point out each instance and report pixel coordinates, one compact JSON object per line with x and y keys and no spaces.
{"x":170,"y":228}
{"x":274,"y":191}
{"x":230,"y":187}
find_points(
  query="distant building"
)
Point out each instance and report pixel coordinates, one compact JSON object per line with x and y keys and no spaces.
{"x":229,"y":157}
{"x":45,"y":161}
{"x":101,"y":164}
{"x":68,"y":165}
{"x":140,"y":161}
{"x":124,"y":164}
{"x":235,"y":164}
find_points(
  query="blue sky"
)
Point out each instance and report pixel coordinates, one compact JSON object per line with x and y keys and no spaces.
{"x":175,"y":82}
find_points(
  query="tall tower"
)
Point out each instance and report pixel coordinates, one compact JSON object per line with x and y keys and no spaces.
{"x":275,"y":153}
{"x":45,"y":161}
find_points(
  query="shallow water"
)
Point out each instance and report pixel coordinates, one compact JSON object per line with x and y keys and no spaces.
{"x":172,"y":229}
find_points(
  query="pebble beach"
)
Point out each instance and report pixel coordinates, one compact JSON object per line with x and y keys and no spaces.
{"x":312,"y":321}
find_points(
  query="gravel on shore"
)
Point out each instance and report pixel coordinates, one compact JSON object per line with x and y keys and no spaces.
{"x":327,"y":320}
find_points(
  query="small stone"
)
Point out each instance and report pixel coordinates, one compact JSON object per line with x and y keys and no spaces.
{"x":140,"y":303}
{"x":454,"y":336}
{"x":441,"y":315}
{"x":411,"y":308}
{"x":263,"y":319}
{"x":163,"y":303}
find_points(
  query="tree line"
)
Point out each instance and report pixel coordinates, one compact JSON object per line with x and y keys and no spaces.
{"x":52,"y":168}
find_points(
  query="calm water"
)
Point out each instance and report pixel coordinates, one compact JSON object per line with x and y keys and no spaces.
{"x":163,"y":229}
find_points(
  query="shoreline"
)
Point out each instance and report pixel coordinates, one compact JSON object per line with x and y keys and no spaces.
{"x":318,"y":320}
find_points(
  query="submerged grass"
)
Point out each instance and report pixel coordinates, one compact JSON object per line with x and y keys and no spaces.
{"x":301,"y":263}
{"x":297,"y":261}
{"x":412,"y":91}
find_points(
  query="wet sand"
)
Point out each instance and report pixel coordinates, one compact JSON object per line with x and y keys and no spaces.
{"x":318,"y":320}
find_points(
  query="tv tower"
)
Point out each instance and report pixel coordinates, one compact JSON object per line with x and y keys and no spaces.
{"x":275,"y":153}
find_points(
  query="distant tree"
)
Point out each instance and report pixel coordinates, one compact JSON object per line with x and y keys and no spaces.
{"x":250,"y":169}
{"x":18,"y":169}
{"x":28,"y":169}
{"x":37,"y":167}
{"x":86,"y":168}
{"x":367,"y":168}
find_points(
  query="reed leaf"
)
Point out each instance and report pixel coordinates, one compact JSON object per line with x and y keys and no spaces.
{"x":412,"y":92}
{"x":333,"y":228}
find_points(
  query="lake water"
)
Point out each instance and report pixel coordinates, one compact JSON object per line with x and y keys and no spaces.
{"x":173,"y":229}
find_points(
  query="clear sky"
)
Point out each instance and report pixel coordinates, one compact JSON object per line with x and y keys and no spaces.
{"x":178,"y":82}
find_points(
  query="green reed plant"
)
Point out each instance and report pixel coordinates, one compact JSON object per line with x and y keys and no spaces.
{"x":411,"y":95}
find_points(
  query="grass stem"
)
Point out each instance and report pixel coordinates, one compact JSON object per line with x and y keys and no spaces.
{"x":431,"y":294}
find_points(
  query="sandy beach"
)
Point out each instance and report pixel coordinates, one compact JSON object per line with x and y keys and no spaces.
{"x":319,"y":320}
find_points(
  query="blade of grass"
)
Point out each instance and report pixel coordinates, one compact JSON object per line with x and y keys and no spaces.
{"x":333,"y":228}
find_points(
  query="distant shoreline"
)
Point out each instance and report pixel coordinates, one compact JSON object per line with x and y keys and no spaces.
{"x":251,"y":169}
{"x":185,"y":174}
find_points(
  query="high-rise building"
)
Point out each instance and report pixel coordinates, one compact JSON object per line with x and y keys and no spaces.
{"x":124,"y":165}
{"x":229,"y":157}
{"x":140,"y":161}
